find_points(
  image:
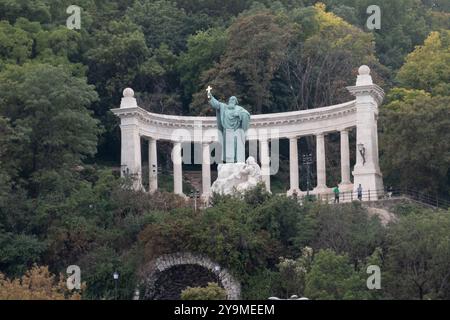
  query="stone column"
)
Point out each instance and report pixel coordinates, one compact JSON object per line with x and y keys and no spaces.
{"x":177,"y":169}
{"x":152,"y":165}
{"x":265,"y":162}
{"x":321,"y":165}
{"x":367,"y":170}
{"x":206,"y":170}
{"x":131,"y":154}
{"x":346,"y":184}
{"x":130,"y":141}
{"x":293,"y":165}
{"x":375,"y":132}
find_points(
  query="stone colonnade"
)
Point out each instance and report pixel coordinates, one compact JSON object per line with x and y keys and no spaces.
{"x":321,"y":188}
{"x":362,"y":114}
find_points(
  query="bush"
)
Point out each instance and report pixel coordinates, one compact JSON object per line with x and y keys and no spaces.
{"x":211,"y":292}
{"x":37,"y":284}
{"x":346,"y":228}
{"x":332,"y":277}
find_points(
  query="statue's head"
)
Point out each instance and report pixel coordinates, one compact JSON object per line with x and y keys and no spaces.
{"x":233,"y":101}
{"x":251,"y":160}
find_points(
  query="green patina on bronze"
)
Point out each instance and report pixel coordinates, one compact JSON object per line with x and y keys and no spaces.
{"x":233,"y":122}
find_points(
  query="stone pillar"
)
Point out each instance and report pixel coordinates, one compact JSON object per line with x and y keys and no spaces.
{"x":293,"y":165}
{"x":346,"y":184}
{"x":130,"y":142}
{"x":206,"y":171}
{"x":177,"y":161}
{"x":375,"y":130}
{"x":152,"y":165}
{"x":321,"y":165}
{"x":367,"y":170}
{"x":265,"y":162}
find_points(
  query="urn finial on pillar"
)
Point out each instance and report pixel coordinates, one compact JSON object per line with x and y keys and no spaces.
{"x":128,"y":100}
{"x":364,"y":77}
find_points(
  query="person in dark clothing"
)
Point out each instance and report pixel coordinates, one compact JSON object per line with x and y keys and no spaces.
{"x":360,"y":192}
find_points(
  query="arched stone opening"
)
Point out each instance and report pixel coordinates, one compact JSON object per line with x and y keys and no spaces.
{"x":177,"y":270}
{"x":173,"y":281}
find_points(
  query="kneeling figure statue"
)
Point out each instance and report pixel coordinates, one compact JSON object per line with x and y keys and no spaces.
{"x":237,"y":177}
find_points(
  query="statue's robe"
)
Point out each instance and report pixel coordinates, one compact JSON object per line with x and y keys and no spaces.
{"x":233,"y":122}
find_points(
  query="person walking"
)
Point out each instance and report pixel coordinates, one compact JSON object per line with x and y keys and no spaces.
{"x":336,"y":194}
{"x":360,"y":192}
{"x":390,"y":191}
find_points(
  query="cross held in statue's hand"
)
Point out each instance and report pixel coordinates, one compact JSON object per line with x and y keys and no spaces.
{"x":208,"y":90}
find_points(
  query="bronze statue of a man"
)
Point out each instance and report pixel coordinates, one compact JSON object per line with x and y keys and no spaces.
{"x":233,"y":122}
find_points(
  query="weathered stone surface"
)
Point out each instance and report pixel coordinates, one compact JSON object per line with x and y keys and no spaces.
{"x":237,"y":177}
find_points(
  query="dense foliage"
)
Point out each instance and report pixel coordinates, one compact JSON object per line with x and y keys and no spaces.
{"x":36,"y":284}
{"x":61,"y":202}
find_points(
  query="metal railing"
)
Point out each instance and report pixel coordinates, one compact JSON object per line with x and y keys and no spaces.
{"x":422,"y":198}
{"x":347,"y":196}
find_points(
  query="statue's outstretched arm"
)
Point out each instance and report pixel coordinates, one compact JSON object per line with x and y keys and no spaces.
{"x":216,"y":104}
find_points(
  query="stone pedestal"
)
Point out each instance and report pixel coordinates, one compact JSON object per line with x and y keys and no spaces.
{"x":237,"y":177}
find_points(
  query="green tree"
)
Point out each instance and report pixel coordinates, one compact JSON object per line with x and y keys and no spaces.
{"x":59,"y":129}
{"x":9,"y":139}
{"x":18,"y":252}
{"x":115,"y":60}
{"x":225,"y":233}
{"x":15,"y":45}
{"x":428,"y":66}
{"x":332,"y":277}
{"x":414,"y":143}
{"x":293,"y":273}
{"x":99,"y":264}
{"x":215,"y":8}
{"x":322,"y":59}
{"x":58,"y":42}
{"x":404,"y":24}
{"x":346,"y":229}
{"x":418,"y":257}
{"x":162,"y":22}
{"x":261,"y":285}
{"x":279,"y":216}
{"x":203,"y":50}
{"x":255,"y":48}
{"x":38,"y":10}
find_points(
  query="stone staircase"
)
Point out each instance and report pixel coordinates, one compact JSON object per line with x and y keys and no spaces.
{"x":194,"y":178}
